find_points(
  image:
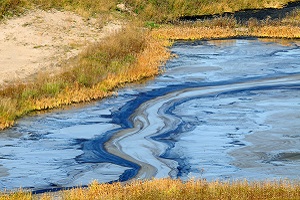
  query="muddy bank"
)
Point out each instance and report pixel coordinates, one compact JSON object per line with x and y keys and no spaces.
{"x":244,"y":15}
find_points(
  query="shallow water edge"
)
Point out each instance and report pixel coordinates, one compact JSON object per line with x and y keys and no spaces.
{"x":224,"y":109}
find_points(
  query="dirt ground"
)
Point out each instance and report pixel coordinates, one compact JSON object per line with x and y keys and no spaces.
{"x":42,"y":40}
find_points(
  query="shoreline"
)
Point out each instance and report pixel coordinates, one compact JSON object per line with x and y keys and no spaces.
{"x":44,"y":106}
{"x":164,"y":37}
{"x":161,"y":38}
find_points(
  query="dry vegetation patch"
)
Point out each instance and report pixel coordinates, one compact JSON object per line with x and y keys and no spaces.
{"x":170,"y":10}
{"x":226,"y":27}
{"x":174,"y":189}
{"x":42,"y":40}
{"x":125,"y":56}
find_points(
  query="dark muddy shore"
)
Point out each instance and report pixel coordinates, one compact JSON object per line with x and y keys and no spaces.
{"x":244,"y":15}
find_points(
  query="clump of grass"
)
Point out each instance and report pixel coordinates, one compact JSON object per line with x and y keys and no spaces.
{"x":11,"y":7}
{"x":176,"y":189}
{"x":293,"y":18}
{"x":16,"y":195}
{"x":85,"y":8}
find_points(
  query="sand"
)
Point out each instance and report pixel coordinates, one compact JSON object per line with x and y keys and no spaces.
{"x":43,"y":40}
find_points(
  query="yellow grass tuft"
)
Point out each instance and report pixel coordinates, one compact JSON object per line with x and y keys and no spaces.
{"x":193,"y":33}
{"x":193,"y":189}
{"x":277,"y":31}
{"x":226,"y":27}
{"x":19,"y":195}
{"x":172,"y":189}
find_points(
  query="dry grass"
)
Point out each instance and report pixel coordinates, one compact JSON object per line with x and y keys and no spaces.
{"x":225,"y":27}
{"x":293,"y":18}
{"x":198,"y":33}
{"x":127,"y":56}
{"x":285,"y":31}
{"x":174,"y":189}
{"x":169,"y":10}
{"x":19,"y":195}
{"x":85,"y":8}
{"x":154,"y":10}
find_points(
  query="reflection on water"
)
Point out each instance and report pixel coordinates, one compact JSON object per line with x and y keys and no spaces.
{"x":224,"y":109}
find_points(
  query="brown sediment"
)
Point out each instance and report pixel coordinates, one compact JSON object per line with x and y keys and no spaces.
{"x":3,"y":171}
{"x":275,"y":146}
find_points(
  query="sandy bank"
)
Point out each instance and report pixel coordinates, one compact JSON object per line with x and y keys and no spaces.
{"x":43,"y":40}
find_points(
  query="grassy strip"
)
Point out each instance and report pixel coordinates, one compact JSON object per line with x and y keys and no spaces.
{"x":154,"y":10}
{"x":175,"y":189}
{"x":187,"y":32}
{"x":85,"y":8}
{"x":128,"y":56}
{"x":225,"y":27}
{"x":169,"y":10}
{"x":18,"y":195}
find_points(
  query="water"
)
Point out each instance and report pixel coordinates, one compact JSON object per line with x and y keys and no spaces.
{"x":224,"y":109}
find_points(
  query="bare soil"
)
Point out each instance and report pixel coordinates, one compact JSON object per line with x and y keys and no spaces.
{"x":43,"y":40}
